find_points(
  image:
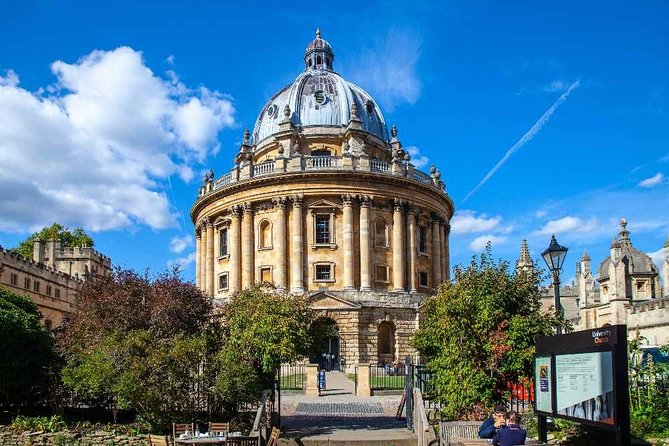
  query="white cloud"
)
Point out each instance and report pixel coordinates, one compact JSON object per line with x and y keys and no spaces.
{"x":96,"y":147}
{"x":178,"y":244}
{"x":568,"y":224}
{"x":389,"y":68}
{"x":540,"y":214}
{"x":479,"y":243}
{"x":417,"y":159}
{"x":182,"y":262}
{"x":464,"y":222}
{"x":170,"y":59}
{"x":653,"y":181}
{"x":657,"y":257}
{"x":556,"y":86}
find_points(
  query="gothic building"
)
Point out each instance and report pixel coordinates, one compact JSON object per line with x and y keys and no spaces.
{"x":625,"y":289}
{"x":324,"y":200}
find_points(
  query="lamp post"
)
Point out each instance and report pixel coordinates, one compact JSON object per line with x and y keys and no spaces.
{"x":554,"y":257}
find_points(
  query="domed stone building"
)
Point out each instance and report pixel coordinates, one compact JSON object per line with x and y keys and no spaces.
{"x":323,"y":200}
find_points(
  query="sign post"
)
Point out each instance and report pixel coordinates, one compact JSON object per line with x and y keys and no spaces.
{"x":583,"y":377}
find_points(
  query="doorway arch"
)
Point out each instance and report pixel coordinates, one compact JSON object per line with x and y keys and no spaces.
{"x":325,"y":347}
{"x":385,"y":343}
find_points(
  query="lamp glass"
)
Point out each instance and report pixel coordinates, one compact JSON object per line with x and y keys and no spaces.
{"x":554,"y":255}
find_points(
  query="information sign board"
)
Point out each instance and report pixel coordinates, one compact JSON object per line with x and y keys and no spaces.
{"x":542,"y":382}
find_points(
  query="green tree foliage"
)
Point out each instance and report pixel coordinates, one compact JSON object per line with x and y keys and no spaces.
{"x":26,"y":351}
{"x":136,"y":343}
{"x":262,"y":329}
{"x":478,"y":334}
{"x":75,"y":237}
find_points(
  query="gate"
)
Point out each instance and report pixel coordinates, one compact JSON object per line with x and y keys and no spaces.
{"x":408,"y":391}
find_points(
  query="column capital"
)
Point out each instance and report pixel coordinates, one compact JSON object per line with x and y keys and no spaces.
{"x":279,"y":202}
{"x":398,"y":204}
{"x":346,"y":199}
{"x":447,"y":228}
{"x":248,"y":208}
{"x":413,"y":209}
{"x":205,"y":222}
{"x":365,"y":200}
{"x":297,"y":200}
{"x":236,"y":211}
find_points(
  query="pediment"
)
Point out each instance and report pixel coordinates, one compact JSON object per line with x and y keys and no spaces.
{"x":327,"y":301}
{"x":323,"y":203}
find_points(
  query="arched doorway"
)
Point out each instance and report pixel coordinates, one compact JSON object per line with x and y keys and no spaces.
{"x":325,"y":345}
{"x":386,"y":343}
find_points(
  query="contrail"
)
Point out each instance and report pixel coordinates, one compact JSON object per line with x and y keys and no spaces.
{"x":527,"y":137}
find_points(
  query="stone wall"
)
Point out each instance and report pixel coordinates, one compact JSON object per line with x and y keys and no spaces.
{"x":71,"y":438}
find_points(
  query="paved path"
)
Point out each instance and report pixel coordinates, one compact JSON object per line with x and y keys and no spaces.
{"x":338,"y":415}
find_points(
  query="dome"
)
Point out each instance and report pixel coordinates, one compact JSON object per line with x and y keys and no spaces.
{"x":320,"y":97}
{"x":639,"y":262}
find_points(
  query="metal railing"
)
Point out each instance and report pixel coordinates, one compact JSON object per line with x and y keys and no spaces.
{"x":386,"y":377}
{"x":292,"y":376}
{"x":521,"y":397}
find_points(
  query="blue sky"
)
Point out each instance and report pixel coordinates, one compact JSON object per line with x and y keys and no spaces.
{"x":110,"y":112}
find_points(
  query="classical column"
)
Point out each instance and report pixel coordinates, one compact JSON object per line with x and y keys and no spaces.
{"x":202,"y":255}
{"x":235,"y":260}
{"x":296,"y":262}
{"x":198,"y":253}
{"x":412,"y":251}
{"x":365,"y":279}
{"x":247,"y":246}
{"x":436,"y":253}
{"x":279,"y":241}
{"x":447,"y":252}
{"x":398,"y":245}
{"x":349,"y":265}
{"x":210,"y":258}
{"x":442,"y":245}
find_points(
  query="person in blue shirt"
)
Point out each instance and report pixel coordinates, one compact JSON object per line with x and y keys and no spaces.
{"x":494,"y":422}
{"x":512,"y":434}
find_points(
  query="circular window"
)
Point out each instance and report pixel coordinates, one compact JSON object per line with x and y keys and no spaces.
{"x":320,"y":97}
{"x":272,"y":110}
{"x":369,"y":106}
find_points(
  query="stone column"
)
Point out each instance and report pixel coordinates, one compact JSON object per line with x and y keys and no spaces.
{"x":247,"y":246}
{"x":202,"y":255}
{"x":198,"y":253}
{"x":436,"y":253}
{"x":398,"y":246}
{"x":279,"y":241}
{"x":210,"y":258}
{"x":296,"y":262}
{"x":349,"y":265}
{"x":365,"y":279}
{"x":445,"y":275}
{"x":412,"y":251}
{"x":235,"y":260}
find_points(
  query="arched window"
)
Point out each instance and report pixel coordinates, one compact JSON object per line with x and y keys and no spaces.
{"x":386,"y":341}
{"x":319,"y":60}
{"x":380,"y":233}
{"x":265,"y":235}
{"x":321,"y":152}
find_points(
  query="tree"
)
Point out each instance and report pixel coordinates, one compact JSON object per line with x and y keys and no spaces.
{"x":26,"y":349}
{"x":262,"y":330}
{"x":478,"y":334}
{"x":76,"y":237}
{"x":137,"y":343}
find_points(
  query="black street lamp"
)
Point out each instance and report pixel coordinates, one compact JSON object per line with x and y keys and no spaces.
{"x":554,"y":257}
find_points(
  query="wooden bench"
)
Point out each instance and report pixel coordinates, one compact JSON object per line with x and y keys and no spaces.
{"x":452,"y":432}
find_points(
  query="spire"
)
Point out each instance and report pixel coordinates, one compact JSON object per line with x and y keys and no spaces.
{"x":319,"y":54}
{"x":586,"y":256}
{"x":624,"y":234}
{"x":524,"y":261}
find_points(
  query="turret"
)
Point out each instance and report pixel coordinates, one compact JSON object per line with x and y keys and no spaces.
{"x":524,"y":262}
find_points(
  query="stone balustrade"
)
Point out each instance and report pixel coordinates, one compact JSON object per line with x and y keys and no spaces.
{"x":280,"y":166}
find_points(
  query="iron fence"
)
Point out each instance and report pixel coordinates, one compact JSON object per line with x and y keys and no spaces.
{"x":292,"y":376}
{"x":387,"y":377}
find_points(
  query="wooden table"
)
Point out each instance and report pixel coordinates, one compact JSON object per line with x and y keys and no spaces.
{"x":201,"y":440}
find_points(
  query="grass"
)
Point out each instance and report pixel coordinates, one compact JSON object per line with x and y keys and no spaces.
{"x":386,"y":381}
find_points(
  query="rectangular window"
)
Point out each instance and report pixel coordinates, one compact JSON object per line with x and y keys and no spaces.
{"x":36,"y":286}
{"x":323,"y":273}
{"x":382,"y":273}
{"x":422,"y":279}
{"x":57,"y":293}
{"x":223,"y":242}
{"x":322,"y":229}
{"x":14,"y":279}
{"x":223,"y":281}
{"x":266,"y":274}
{"x":48,"y":290}
{"x":26,"y":283}
{"x":48,"y":324}
{"x":422,"y":244}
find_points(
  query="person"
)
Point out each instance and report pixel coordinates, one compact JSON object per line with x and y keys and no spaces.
{"x":492,"y":424}
{"x":512,"y":434}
